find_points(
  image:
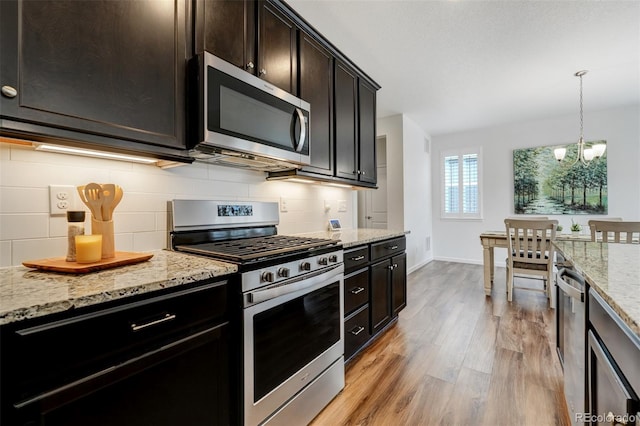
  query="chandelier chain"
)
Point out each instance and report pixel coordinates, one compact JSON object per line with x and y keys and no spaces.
{"x":581,"y":110}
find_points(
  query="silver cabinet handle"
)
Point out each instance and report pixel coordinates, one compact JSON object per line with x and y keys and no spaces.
{"x":357,"y":330}
{"x":357,"y":290}
{"x":392,"y":247}
{"x":356,"y":258}
{"x":165,"y":318}
{"x":263,"y":72}
{"x":9,"y":92}
{"x":363,"y":173}
{"x":390,"y":267}
{"x":395,"y":265}
{"x":250,"y":66}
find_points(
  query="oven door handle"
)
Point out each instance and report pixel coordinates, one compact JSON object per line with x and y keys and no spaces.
{"x":316,"y":279}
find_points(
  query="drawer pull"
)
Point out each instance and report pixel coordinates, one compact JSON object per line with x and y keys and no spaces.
{"x":392,"y":247}
{"x":357,"y":290}
{"x":357,"y":330}
{"x":357,"y":258}
{"x":165,"y":318}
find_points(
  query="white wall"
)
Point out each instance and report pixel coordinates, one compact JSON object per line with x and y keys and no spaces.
{"x":391,"y":128}
{"x":458,"y":240}
{"x":28,"y":232}
{"x":409,"y":185}
{"x":417,"y":193}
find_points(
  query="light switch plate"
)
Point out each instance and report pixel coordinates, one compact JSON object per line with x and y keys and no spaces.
{"x":342,"y":205}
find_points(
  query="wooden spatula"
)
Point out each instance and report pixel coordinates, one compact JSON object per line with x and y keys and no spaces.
{"x":93,"y":194}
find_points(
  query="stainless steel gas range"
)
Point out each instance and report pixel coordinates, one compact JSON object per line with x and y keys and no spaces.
{"x":292,"y":305}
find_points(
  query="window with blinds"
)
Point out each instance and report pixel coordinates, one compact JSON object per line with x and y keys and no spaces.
{"x":461,"y":187}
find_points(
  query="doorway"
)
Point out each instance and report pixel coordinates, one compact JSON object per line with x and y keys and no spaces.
{"x":372,"y":203}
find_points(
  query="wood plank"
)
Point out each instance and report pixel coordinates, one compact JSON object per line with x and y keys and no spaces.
{"x":456,"y":357}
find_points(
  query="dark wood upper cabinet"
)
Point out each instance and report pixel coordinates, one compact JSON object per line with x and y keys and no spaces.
{"x":277,"y":48}
{"x":228,"y":30}
{"x":355,"y":124}
{"x":346,"y":130}
{"x":316,"y":87}
{"x":253,"y":35}
{"x":104,"y":72}
{"x":366,"y":133}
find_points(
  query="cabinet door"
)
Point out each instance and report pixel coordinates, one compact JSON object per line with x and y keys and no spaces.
{"x":346,"y":91}
{"x":398,"y":283}
{"x":187,"y":383}
{"x":380,"y":304}
{"x":227,"y":29}
{"x":277,"y":48}
{"x":103,"y":68}
{"x":367,"y":133}
{"x":316,"y":87}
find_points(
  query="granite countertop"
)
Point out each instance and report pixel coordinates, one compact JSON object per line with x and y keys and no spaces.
{"x":28,"y":293}
{"x":356,"y":237}
{"x":613,"y":270}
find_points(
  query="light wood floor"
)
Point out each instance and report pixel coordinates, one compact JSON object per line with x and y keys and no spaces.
{"x":457,"y":357}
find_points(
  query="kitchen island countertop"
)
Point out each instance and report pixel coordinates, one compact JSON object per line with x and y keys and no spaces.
{"x":613,"y":271}
{"x":29,"y":293}
{"x":356,"y":237}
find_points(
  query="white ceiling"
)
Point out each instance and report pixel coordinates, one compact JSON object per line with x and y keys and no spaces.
{"x":457,"y":65}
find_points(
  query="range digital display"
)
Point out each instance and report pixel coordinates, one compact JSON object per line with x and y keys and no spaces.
{"x":235,"y":210}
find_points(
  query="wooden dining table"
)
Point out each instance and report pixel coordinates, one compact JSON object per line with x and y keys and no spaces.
{"x":492,"y":239}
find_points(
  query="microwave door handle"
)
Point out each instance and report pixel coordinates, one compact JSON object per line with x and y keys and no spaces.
{"x":303,"y":130}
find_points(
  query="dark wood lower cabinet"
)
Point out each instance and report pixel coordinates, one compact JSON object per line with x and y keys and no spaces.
{"x":380,"y":295}
{"x":159,"y":360}
{"x":375,"y":291}
{"x":398,"y":283}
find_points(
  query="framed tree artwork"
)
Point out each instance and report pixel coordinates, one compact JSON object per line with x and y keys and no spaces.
{"x":543,"y":185}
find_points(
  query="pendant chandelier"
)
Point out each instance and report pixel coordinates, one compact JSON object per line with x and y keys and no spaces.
{"x":585,"y":155}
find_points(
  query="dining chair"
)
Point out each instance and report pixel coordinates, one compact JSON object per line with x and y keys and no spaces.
{"x":592,"y":226}
{"x":530,"y":252}
{"x":614,"y":231}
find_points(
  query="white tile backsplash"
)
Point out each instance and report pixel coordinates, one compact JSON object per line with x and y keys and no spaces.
{"x":28,"y":232}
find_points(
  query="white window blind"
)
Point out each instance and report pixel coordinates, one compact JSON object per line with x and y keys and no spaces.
{"x":461,"y":184}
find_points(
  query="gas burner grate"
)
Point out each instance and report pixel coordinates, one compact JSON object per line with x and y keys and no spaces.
{"x":248,"y":249}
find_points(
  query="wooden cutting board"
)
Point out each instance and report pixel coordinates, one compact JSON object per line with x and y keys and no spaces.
{"x":59,"y":264}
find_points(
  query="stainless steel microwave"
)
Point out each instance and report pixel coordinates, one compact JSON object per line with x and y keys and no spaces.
{"x":244,"y":121}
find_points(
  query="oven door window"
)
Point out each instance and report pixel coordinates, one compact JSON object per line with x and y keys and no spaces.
{"x":241,"y":110}
{"x":289,"y":336}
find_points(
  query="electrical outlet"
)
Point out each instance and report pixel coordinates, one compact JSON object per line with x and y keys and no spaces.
{"x":342,"y":205}
{"x":283,"y":205}
{"x":60,"y":199}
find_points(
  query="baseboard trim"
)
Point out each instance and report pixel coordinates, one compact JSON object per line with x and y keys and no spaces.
{"x":459,"y":260}
{"x":419,"y":265}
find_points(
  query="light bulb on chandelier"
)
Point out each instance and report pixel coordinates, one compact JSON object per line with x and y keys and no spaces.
{"x":585,"y":155}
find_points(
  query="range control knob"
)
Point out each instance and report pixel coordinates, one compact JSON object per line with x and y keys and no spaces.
{"x":283,"y":272}
{"x":333,"y":258}
{"x":322,"y":261}
{"x":305,"y":266}
{"x":268,"y":277}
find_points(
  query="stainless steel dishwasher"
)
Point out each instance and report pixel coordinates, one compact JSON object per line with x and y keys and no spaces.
{"x":570,"y":331}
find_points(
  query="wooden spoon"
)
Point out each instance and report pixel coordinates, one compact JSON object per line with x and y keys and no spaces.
{"x":117,"y":198}
{"x":108,"y":196}
{"x":93,"y":192}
